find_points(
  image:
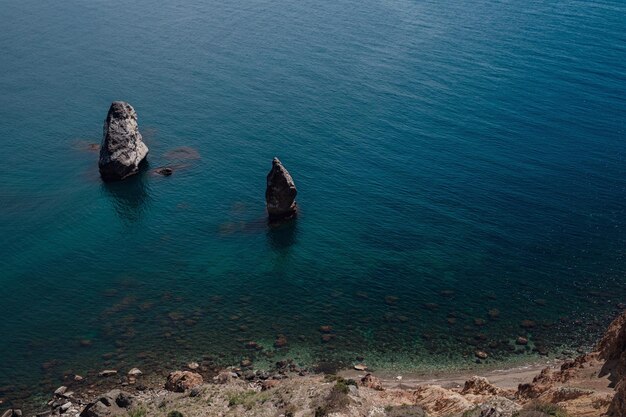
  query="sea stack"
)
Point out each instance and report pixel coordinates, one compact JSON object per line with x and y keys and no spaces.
{"x":122,"y":147}
{"x":280,"y":194}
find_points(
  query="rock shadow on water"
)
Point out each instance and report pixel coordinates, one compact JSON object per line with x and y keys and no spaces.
{"x":130,"y":196}
{"x":282,"y":235}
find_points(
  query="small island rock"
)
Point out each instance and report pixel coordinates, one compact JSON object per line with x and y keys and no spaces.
{"x":280,"y":194}
{"x":122,"y":147}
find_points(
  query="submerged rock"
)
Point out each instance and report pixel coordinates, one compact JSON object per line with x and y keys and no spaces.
{"x":281,"y":192}
{"x":122,"y":146}
{"x":165,"y":171}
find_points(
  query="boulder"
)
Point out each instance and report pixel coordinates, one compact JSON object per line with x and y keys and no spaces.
{"x":113,"y":403}
{"x":281,"y":192}
{"x":370,"y":381}
{"x":180,"y":381}
{"x":122,"y":147}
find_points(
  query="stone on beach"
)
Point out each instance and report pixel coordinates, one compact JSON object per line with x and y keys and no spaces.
{"x":107,"y":372}
{"x":180,"y":381}
{"x":122,"y":147}
{"x":112,"y":403}
{"x":280,"y":194}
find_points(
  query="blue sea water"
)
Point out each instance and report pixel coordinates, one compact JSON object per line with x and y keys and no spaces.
{"x":451,"y":158}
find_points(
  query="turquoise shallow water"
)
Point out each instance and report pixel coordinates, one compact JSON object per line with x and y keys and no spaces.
{"x":451,"y":159}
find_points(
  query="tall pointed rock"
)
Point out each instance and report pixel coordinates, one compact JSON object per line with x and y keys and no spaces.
{"x":280,"y":194}
{"x":122,"y":147}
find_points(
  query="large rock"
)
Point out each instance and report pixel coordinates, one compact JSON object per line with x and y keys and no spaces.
{"x":280,"y":194}
{"x":180,"y":381}
{"x":122,"y":147}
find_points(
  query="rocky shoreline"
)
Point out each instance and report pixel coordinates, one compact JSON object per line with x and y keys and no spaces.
{"x":592,"y":384}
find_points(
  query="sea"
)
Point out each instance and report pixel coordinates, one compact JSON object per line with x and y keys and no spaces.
{"x":460,"y":166}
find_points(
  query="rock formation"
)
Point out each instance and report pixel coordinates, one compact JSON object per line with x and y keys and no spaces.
{"x":612,"y":348}
{"x":122,"y":147}
{"x":617,"y":408}
{"x":281,"y":193}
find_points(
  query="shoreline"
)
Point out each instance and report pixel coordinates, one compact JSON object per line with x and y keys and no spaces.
{"x":89,"y":387}
{"x":505,"y":377}
{"x":509,"y":372}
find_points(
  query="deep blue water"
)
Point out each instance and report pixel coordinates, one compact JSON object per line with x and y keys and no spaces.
{"x":465,"y":154}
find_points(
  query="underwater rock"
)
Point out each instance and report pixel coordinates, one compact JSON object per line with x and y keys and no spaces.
{"x":122,"y":147}
{"x":281,"y":341}
{"x":280,"y":193}
{"x":480,"y":354}
{"x":86,"y":343}
{"x":327,"y":337}
{"x":165,"y":171}
{"x":180,"y":381}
